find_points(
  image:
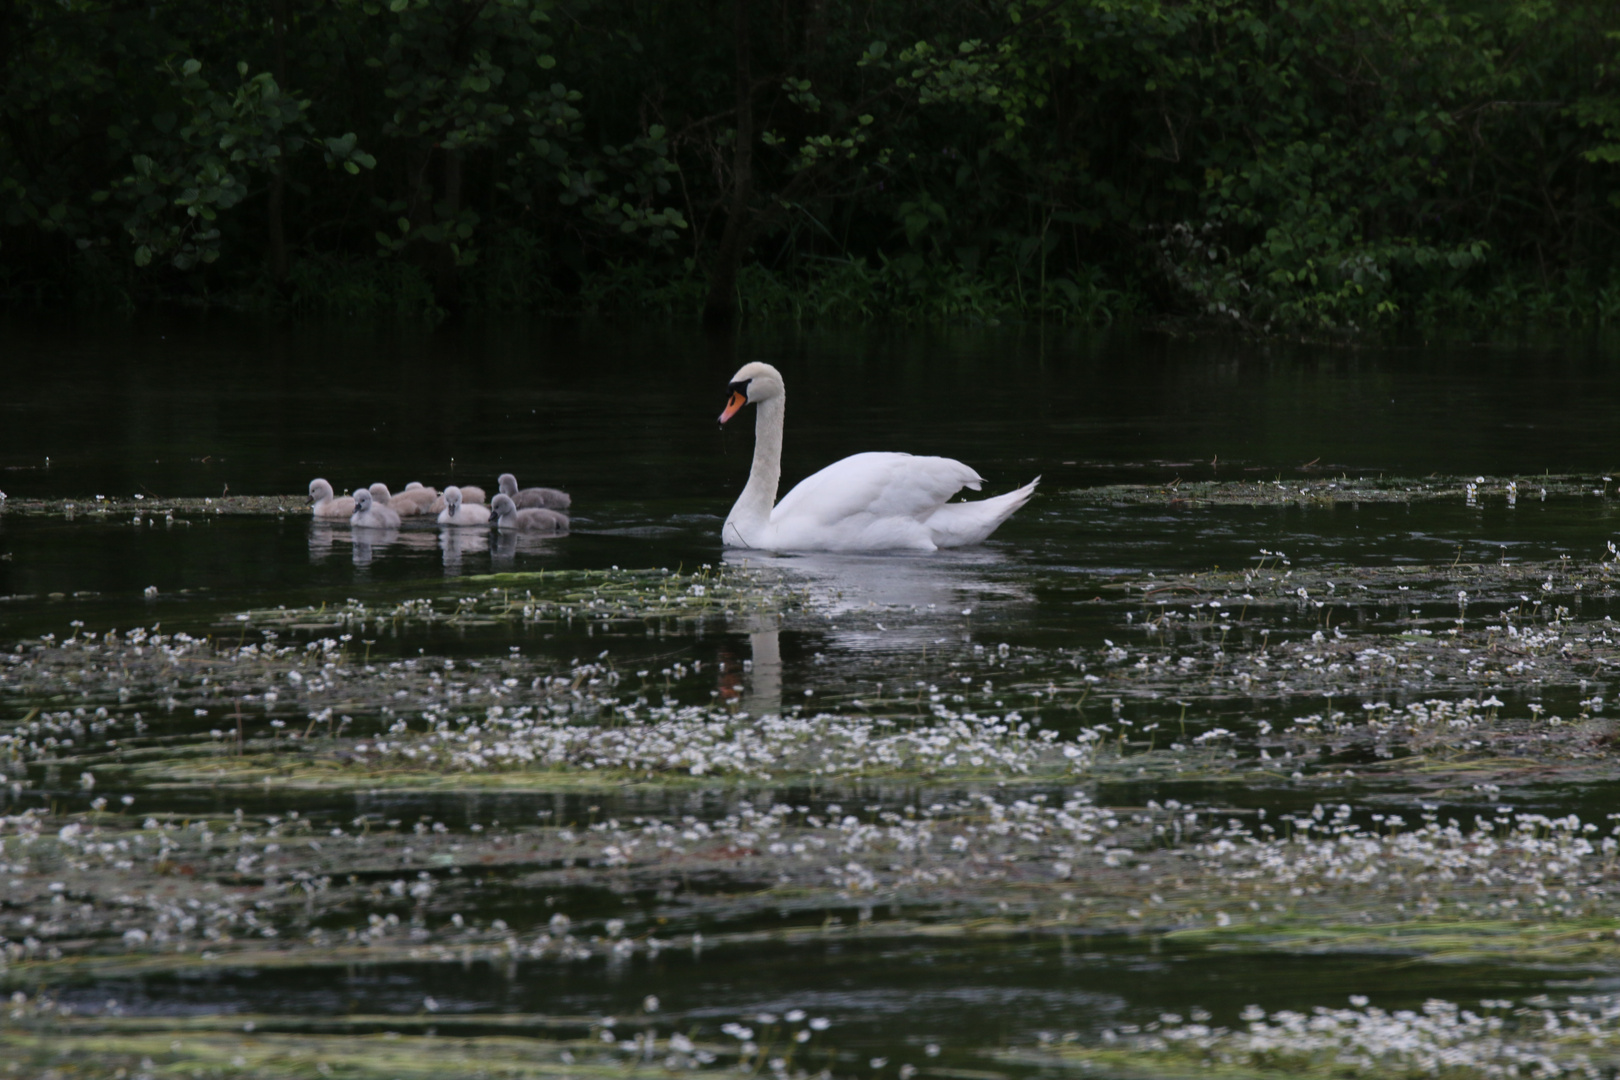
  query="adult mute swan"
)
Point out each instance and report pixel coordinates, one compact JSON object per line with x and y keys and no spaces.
{"x":866,"y":502}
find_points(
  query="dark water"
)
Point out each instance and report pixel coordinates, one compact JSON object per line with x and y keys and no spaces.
{"x":622,"y":413}
{"x":624,"y":418}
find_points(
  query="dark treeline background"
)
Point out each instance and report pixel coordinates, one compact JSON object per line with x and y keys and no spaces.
{"x":1292,"y":164}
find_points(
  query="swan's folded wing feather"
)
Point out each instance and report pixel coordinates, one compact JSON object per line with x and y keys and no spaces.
{"x":963,"y":523}
{"x":876,"y":483}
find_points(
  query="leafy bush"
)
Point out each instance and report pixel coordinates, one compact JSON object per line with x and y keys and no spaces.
{"x":1315,"y":166}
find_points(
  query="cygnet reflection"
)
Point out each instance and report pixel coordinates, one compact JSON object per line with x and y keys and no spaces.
{"x":506,"y":545}
{"x":322,"y":538}
{"x":455,"y":543}
{"x":368,"y":541}
{"x":898,"y":600}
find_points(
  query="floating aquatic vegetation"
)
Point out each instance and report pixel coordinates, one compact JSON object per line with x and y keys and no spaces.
{"x":473,"y":803}
{"x":39,"y":1032}
{"x":1579,"y":1037}
{"x":1327,"y":490}
{"x":1430,"y":732}
{"x":1553,"y":866}
{"x":700,"y":741}
{"x":106,"y":884}
{"x":299,"y":710}
{"x":604,"y":597}
{"x":1358,"y":639}
{"x":954,"y":791}
{"x":157,"y":506}
{"x":113,"y":892}
{"x":505,"y":717}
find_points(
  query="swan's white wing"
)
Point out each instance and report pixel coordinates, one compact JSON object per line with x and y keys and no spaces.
{"x":882,"y":485}
{"x":963,"y":523}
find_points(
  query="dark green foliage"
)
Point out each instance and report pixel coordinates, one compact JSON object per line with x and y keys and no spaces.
{"x":1314,"y":165}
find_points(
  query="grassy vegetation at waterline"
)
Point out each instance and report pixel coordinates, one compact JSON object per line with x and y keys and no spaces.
{"x":1324,"y":165}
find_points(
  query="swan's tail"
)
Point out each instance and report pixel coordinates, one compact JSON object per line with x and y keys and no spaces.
{"x":964,"y":523}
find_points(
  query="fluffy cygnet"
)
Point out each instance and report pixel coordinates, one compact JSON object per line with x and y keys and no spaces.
{"x":417,"y":497}
{"x":320,"y":493}
{"x":470,"y":494}
{"x":456,"y":512}
{"x":369,"y":514}
{"x":531,"y":519}
{"x":549,"y":498}
{"x":407,"y":503}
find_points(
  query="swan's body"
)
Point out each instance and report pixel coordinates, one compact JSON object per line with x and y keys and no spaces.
{"x":541,"y":497}
{"x":407,"y":503}
{"x":370,"y":514}
{"x":456,"y":512}
{"x":866,"y":502}
{"x":320,"y":493}
{"x":531,"y":519}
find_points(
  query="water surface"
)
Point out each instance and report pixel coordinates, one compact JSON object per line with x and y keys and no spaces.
{"x":624,"y":418}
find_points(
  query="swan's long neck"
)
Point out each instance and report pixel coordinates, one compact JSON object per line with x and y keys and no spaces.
{"x":752,"y":511}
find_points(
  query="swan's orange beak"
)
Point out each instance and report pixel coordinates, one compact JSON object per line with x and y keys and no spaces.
{"x":737,"y":400}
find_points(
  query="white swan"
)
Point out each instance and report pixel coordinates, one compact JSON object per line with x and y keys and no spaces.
{"x":457,"y":513}
{"x":866,"y":502}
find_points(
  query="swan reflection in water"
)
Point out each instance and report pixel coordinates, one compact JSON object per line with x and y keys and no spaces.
{"x":882,"y":602}
{"x":869,"y":603}
{"x":754,"y":683}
